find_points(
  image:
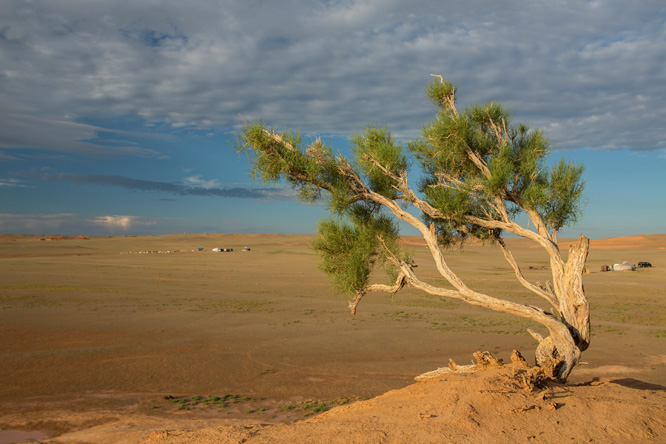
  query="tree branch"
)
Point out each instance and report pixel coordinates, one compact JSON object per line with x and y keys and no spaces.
{"x":396,"y":287}
{"x":549,"y":296}
{"x":275,"y":136}
{"x":483,"y":208}
{"x":462,"y":291}
{"x":500,"y":132}
{"x":478,"y":161}
{"x":450,"y":100}
{"x":506,"y":224}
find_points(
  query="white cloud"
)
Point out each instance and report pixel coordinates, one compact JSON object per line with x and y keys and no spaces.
{"x":198,"y":182}
{"x":329,"y":67}
{"x":12,"y":183}
{"x":123,"y":222}
{"x":77,"y":224}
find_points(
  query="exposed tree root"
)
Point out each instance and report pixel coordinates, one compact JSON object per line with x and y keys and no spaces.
{"x":484,"y":360}
{"x":524,"y":376}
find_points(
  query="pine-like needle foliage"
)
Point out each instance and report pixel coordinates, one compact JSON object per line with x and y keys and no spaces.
{"x":480,"y":169}
{"x":477,"y":173}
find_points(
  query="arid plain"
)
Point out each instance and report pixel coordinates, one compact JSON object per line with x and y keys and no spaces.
{"x":122,"y":336}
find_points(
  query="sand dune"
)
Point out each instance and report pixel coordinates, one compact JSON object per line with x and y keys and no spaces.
{"x":652,"y":241}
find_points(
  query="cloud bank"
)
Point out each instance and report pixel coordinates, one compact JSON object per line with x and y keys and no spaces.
{"x":192,"y":186}
{"x":589,"y":73}
{"x":76,"y":224}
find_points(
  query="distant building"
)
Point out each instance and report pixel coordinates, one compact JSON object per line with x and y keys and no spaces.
{"x":624,"y":266}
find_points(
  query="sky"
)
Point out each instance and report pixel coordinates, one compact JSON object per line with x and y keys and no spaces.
{"x":117,"y":117}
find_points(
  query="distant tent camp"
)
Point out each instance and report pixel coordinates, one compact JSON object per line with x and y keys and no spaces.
{"x":624,"y":266}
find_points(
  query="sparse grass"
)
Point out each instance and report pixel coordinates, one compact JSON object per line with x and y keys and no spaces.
{"x":315,"y":406}
{"x":493,"y":324}
{"x":307,"y":252}
{"x":233,"y":306}
{"x":431,"y":303}
{"x":228,"y":327}
{"x":44,"y":287}
{"x":633,"y":313}
{"x":248,"y":405}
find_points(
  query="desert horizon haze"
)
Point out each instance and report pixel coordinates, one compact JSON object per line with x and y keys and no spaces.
{"x":119,"y":120}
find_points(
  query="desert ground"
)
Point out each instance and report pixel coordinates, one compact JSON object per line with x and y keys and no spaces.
{"x":147,"y":339}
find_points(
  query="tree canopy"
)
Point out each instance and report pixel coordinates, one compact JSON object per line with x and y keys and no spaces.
{"x":477,"y":173}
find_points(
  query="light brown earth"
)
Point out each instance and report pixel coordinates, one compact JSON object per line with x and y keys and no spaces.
{"x":102,"y":343}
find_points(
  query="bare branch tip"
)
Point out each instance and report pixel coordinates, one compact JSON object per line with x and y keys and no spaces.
{"x":439,"y":76}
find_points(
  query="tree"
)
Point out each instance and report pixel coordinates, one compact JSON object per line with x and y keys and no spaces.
{"x":478,"y":174}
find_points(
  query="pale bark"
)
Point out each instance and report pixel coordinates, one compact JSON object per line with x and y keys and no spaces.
{"x":568,"y":327}
{"x":568,"y":336}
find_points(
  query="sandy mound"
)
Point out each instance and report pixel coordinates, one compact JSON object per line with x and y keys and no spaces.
{"x":489,"y":407}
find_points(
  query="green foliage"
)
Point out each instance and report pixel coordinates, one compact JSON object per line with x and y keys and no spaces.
{"x":559,"y":197}
{"x":474,"y":159}
{"x":350,"y":248}
{"x":477,"y":172}
{"x":276,"y":156}
{"x":375,"y":153}
{"x":439,"y":92}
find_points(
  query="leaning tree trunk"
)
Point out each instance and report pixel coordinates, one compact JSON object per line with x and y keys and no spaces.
{"x":566,"y":343}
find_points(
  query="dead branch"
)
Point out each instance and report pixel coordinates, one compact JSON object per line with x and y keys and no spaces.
{"x":484,"y":360}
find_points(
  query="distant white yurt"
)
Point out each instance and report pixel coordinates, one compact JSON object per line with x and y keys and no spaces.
{"x":216,"y":250}
{"x":624,"y":266}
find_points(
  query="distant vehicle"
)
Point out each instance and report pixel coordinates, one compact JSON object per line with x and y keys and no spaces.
{"x":644,"y":265}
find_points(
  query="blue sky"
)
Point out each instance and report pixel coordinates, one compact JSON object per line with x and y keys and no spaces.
{"x":116,"y":116}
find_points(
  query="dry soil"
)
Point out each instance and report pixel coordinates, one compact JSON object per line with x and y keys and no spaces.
{"x":133,"y":339}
